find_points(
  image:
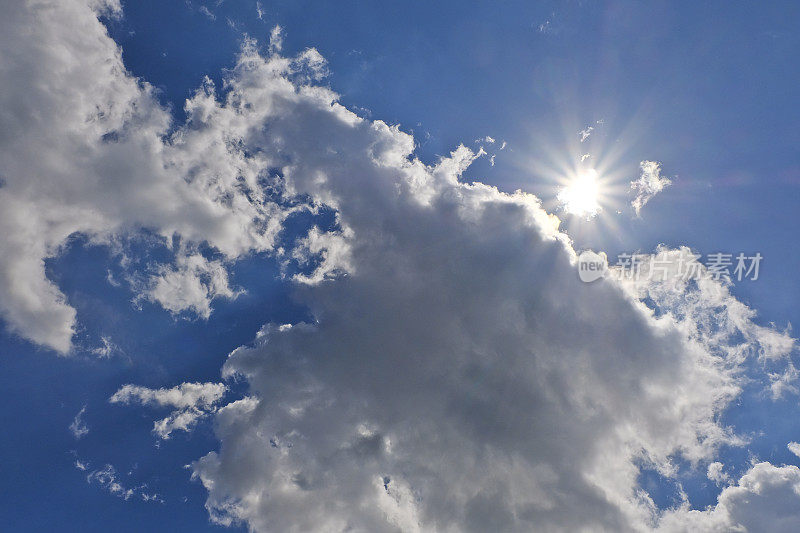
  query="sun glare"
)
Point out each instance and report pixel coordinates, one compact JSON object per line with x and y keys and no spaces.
{"x":581,"y":196}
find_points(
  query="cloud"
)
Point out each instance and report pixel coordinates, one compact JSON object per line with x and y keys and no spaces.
{"x":456,"y":375}
{"x":794,"y":448}
{"x":179,"y":420}
{"x":648,"y":184}
{"x":78,"y":427}
{"x":108,"y":479}
{"x":181,"y":396}
{"x":784,"y":382}
{"x":766,"y":498}
{"x":190,"y":285}
{"x":106,"y":349}
{"x":716,"y":473}
{"x":87,"y":149}
{"x":191,"y":402}
{"x":207,"y":13}
{"x":275,"y":39}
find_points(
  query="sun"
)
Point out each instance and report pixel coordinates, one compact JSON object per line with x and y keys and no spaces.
{"x":581,"y":195}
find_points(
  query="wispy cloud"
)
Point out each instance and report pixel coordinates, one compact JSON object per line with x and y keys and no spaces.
{"x":207,"y":12}
{"x":649,"y":183}
{"x":191,"y":402}
{"x":78,"y":427}
{"x":109,"y":480}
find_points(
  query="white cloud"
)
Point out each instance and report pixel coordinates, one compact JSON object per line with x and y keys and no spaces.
{"x":191,"y":402}
{"x":311,"y":64}
{"x":482,"y":382}
{"x":108,"y":479}
{"x":87,"y":155}
{"x":207,"y":13}
{"x":78,"y":427}
{"x":331,"y":248}
{"x":180,"y":397}
{"x":794,"y":448}
{"x":179,"y":420}
{"x":649,"y":183}
{"x":716,"y":473}
{"x":106,"y":349}
{"x":766,"y":498}
{"x":784,"y":382}
{"x":191,"y":285}
{"x":706,"y":310}
{"x":276,"y":39}
{"x":457,"y":374}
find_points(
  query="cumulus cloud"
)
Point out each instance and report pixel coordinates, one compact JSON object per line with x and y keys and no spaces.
{"x":456,"y":376}
{"x":766,"y":498}
{"x":86,"y":148}
{"x":190,"y":401}
{"x":649,"y":183}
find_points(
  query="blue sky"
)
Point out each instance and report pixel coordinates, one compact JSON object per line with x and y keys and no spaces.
{"x":709,"y":90}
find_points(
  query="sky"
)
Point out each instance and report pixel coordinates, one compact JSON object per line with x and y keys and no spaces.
{"x":295,"y":266}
